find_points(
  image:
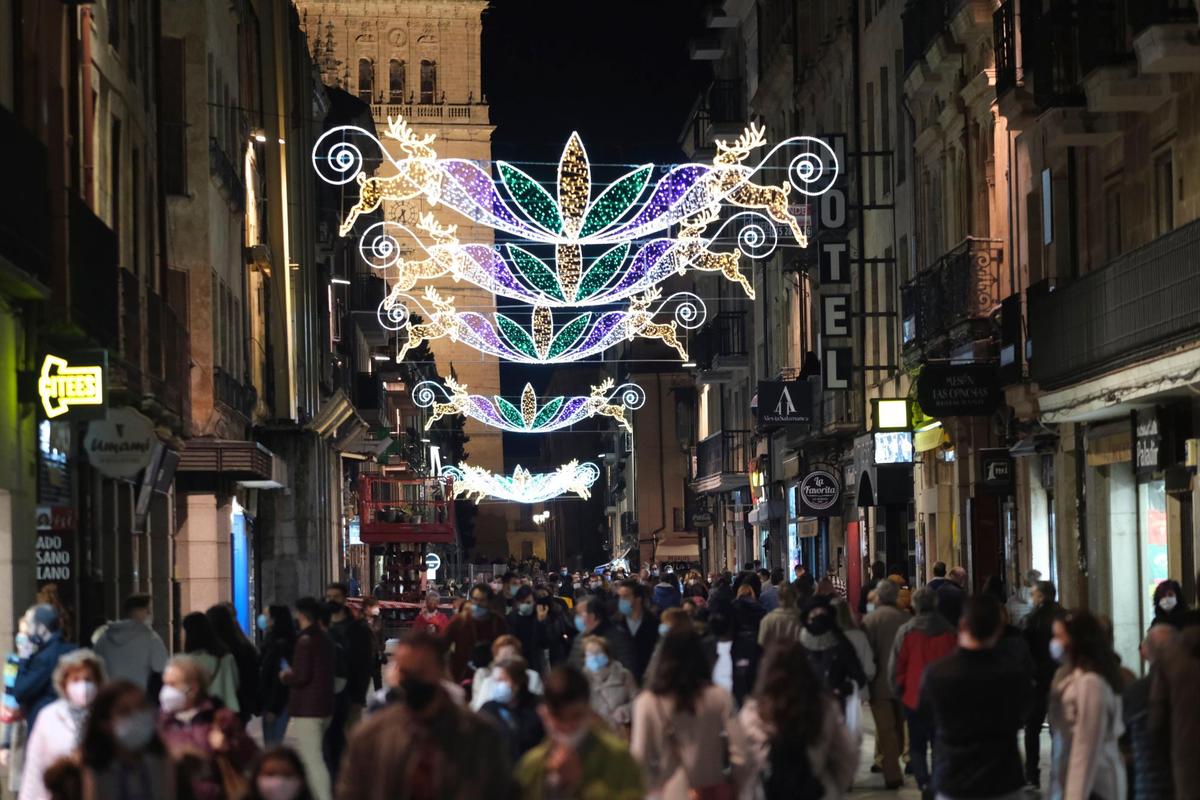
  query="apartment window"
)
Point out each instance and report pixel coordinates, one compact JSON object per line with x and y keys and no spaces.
{"x":114,"y":178}
{"x":366,"y":80}
{"x":1112,"y":221}
{"x":135,"y":205}
{"x":396,"y":81}
{"x":1164,"y":193}
{"x":885,"y":129}
{"x":871,"y":196}
{"x":901,"y":121}
{"x":428,"y":81}
{"x":172,"y":112}
{"x":114,"y":23}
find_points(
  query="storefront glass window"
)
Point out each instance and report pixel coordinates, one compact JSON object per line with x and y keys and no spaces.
{"x":793,"y":543}
{"x":1152,"y":542}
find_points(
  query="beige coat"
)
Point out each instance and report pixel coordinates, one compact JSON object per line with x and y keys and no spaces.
{"x":881,"y":626}
{"x":613,"y":690}
{"x":833,"y":756}
{"x":781,"y":625}
{"x":1085,"y":723}
{"x":679,"y":751}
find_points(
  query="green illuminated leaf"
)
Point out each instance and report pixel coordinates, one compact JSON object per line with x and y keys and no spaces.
{"x":510,"y":412}
{"x":616,"y":200}
{"x":516,"y":336}
{"x":547,"y":413}
{"x":534,"y":200}
{"x":602,"y":271}
{"x":569,"y":334}
{"x":535,"y":272}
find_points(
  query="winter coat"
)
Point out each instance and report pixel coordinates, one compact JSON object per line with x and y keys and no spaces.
{"x":272,"y":693}
{"x":644,"y":642}
{"x":34,"y":686}
{"x":903,"y":594}
{"x":521,"y":726}
{"x":388,"y":756}
{"x":245,"y":660}
{"x":881,"y":627}
{"x":613,"y":690}
{"x":977,"y":701}
{"x":1038,"y":629}
{"x":187,"y":736}
{"x":465,"y":633}
{"x":922,"y":640}
{"x":131,"y":651}
{"x":355,"y":639}
{"x":55,"y":736}
{"x":769,"y":599}
{"x":1175,"y":709}
{"x":1150,"y":764}
{"x":310,"y":684}
{"x":682,"y":750}
{"x":833,"y":658}
{"x":780,"y":625}
{"x":606,"y":770}
{"x":666,"y":595}
{"x":1085,"y":723}
{"x":532,"y":635}
{"x":950,"y":599}
{"x":484,"y":683}
{"x":223,"y":678}
{"x":832,"y":755}
{"x":620,"y":644}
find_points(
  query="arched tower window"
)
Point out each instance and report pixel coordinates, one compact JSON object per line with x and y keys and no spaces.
{"x":428,"y":81}
{"x":366,"y":80}
{"x":396,"y":81}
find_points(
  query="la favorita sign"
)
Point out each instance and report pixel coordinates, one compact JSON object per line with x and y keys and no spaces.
{"x":820,"y":494}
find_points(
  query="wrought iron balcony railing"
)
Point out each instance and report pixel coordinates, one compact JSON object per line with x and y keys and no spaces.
{"x":720,"y":107}
{"x":724,"y":336}
{"x":237,"y":396}
{"x":725,"y":452}
{"x":963,"y":286}
{"x":1065,"y":42}
{"x":1005,"y":23}
{"x":1139,"y":305}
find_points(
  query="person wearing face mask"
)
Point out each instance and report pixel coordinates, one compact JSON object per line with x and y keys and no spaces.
{"x":12,"y":737}
{"x":1169,"y":608}
{"x":505,"y":648}
{"x":922,"y":640}
{"x":59,"y":727}
{"x":34,"y":685}
{"x":529,"y":626}
{"x":431,"y":619}
{"x":278,"y":774}
{"x":613,"y":687}
{"x":131,"y":648}
{"x":279,"y":637}
{"x":830,"y":652}
{"x":200,"y":642}
{"x":1038,"y":630}
{"x":784,"y":623}
{"x":310,"y":680}
{"x":591,"y":619}
{"x":881,"y":626}
{"x":372,"y":613}
{"x":513,"y":707}
{"x":640,"y":622}
{"x":423,"y":746}
{"x":579,"y":757}
{"x":208,"y":741}
{"x":476,"y":625}
{"x":121,"y":756}
{"x":1085,"y":711}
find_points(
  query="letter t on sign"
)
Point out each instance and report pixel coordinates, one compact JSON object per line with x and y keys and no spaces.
{"x":833,"y":262}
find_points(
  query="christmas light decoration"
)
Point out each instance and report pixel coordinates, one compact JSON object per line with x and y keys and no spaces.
{"x":524,"y":486}
{"x":574,"y":218}
{"x":544,"y":343}
{"x":556,"y":413}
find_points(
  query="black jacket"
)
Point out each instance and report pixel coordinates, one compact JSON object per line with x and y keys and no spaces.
{"x":644,"y":642}
{"x":521,"y":726}
{"x":273,"y":695}
{"x":1038,"y":630}
{"x":532,"y":635}
{"x":355,"y":637}
{"x":978,"y":700}
{"x":950,"y":597}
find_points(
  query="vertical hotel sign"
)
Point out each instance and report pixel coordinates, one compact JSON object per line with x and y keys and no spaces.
{"x":833,"y":257}
{"x":64,"y":386}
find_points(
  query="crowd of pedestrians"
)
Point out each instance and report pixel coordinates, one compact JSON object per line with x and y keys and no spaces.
{"x":662,"y":684}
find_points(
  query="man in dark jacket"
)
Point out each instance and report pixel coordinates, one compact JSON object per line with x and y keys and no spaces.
{"x":530,"y":627}
{"x":978,"y":698}
{"x":309,"y":679}
{"x":1175,"y":706}
{"x":951,"y":594}
{"x":1150,"y":765}
{"x":640,"y":622}
{"x":34,"y":686}
{"x":1038,"y":630}
{"x":474,"y":628}
{"x":354,"y":642}
{"x":591,"y":619}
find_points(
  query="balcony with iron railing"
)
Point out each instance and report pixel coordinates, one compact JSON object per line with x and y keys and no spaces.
{"x":221,"y":167}
{"x":721,"y":348}
{"x":230,"y":392}
{"x":723,"y":461}
{"x":719,"y":112}
{"x":951,"y":302}
{"x":1140,"y":305}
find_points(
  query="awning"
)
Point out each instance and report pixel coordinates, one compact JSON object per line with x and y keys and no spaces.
{"x":928,"y":440}
{"x":248,"y":463}
{"x":766,"y":511}
{"x":333,"y":412}
{"x":678,"y":546}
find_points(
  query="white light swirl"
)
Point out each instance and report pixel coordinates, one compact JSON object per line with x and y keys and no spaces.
{"x":379,"y":246}
{"x":393,"y":315}
{"x":632,"y":395}
{"x":425,"y":393}
{"x":340,"y":161}
{"x":690,"y":311}
{"x":757,"y":237}
{"x":813,"y":172}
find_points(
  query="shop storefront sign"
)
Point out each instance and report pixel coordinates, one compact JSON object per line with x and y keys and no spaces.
{"x":122,"y":445}
{"x":54,"y":556}
{"x":958,"y":390}
{"x":75,"y":385}
{"x":784,"y":403}
{"x":1148,"y":450}
{"x":996,"y":471}
{"x":820,"y":494}
{"x":702,"y":519}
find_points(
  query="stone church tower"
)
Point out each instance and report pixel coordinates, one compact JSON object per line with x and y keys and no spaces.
{"x":420,"y":59}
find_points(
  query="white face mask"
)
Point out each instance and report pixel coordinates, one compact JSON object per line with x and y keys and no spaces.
{"x":80,"y":692}
{"x":172,"y":699}
{"x":1168,"y":602}
{"x":870,"y":607}
{"x":279,"y":787}
{"x":135,"y":731}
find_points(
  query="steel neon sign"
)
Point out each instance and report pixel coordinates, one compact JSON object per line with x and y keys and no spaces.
{"x":62,"y":386}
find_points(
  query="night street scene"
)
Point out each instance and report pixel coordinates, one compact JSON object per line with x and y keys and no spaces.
{"x":669,"y":399}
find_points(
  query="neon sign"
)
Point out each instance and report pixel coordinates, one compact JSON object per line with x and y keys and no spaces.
{"x":62,"y":386}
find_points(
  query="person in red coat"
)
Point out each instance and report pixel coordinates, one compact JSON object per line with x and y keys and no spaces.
{"x":921,"y":641}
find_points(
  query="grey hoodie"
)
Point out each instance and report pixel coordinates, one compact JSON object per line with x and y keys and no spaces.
{"x":131,"y":651}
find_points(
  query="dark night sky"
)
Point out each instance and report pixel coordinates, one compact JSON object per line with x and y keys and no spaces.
{"x":616,"y":71}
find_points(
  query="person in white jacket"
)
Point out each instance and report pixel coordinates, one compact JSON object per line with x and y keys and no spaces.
{"x":1085,"y":712}
{"x":131,"y":649}
{"x":59,"y":726}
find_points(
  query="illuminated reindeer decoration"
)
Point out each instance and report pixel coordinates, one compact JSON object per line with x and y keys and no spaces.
{"x":693,"y":250}
{"x":640,"y":323}
{"x":597,"y":403}
{"x":443,"y":323}
{"x":742,"y":193}
{"x":458,"y":398}
{"x":444,"y":256}
{"x":419,"y":174}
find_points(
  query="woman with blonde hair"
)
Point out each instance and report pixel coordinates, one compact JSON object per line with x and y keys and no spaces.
{"x":59,"y":728}
{"x":613,"y":687}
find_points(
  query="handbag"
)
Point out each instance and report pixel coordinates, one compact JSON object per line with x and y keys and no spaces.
{"x":725,"y":789}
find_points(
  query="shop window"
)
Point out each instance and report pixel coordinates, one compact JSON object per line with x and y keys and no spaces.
{"x":1152,"y":542}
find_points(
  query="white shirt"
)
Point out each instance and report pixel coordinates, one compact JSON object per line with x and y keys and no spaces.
{"x":723,"y":670}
